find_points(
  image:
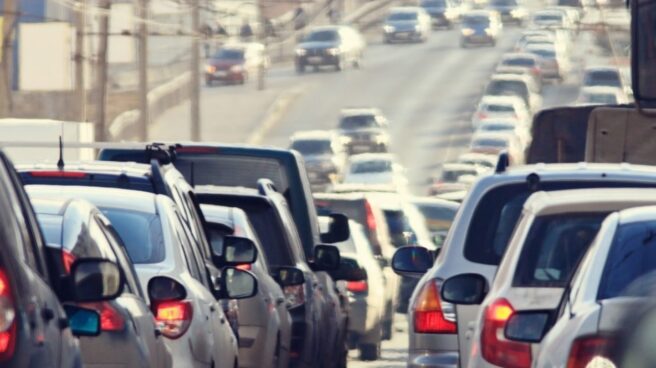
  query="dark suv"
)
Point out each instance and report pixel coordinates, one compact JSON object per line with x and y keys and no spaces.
{"x":39,"y":330}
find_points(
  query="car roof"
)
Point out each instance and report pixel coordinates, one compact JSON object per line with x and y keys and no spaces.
{"x":478,"y":155}
{"x":60,"y":206}
{"x":517,"y":55}
{"x":476,"y":13}
{"x":349,"y":196}
{"x":585,"y":200}
{"x":637,"y":214}
{"x":133,"y":200}
{"x":361,"y":157}
{"x":355,"y":111}
{"x":226,"y":190}
{"x":313,"y":135}
{"x":547,"y":46}
{"x":97,"y":167}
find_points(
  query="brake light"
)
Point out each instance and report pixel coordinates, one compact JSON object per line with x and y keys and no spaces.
{"x":372,"y":227}
{"x":535,"y":70}
{"x":110,"y":319}
{"x":245,"y":267}
{"x":174,"y":317}
{"x":67,"y":260}
{"x":482,"y":115}
{"x":357,"y":286}
{"x":429,"y":311}
{"x":585,"y":349}
{"x":58,"y":174}
{"x":495,"y":347}
{"x":7,"y":317}
{"x":294,"y":295}
{"x":196,"y":149}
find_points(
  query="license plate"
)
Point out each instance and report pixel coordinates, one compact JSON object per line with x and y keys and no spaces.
{"x":402,"y":34}
{"x":315,"y":59}
{"x":221,"y":73}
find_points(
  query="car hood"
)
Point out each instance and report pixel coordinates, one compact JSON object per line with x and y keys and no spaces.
{"x":317,"y":45}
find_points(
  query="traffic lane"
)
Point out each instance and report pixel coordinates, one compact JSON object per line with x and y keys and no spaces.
{"x":394,"y":352}
{"x":428,"y":92}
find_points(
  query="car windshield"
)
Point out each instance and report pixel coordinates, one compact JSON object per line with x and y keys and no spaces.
{"x":141,"y":233}
{"x":371,"y":167}
{"x":398,"y":226}
{"x":433,"y":3}
{"x":489,"y":142}
{"x":453,"y":175}
{"x":402,"y":16}
{"x":503,"y":2}
{"x":602,"y":78}
{"x":321,"y":36}
{"x":507,"y":88}
{"x":519,"y":61}
{"x":475,"y":20}
{"x":229,"y":54}
{"x":312,"y":147}
{"x":546,"y":54}
{"x":553,"y":248}
{"x":498,"y":108}
{"x":358,"y":122}
{"x":631,"y":264}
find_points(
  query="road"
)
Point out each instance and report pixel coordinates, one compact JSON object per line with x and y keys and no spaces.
{"x":428,"y":91}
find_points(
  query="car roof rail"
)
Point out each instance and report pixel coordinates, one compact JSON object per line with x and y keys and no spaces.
{"x":502,"y":163}
{"x":157,"y":176}
{"x":265,"y":186}
{"x":160,"y":152}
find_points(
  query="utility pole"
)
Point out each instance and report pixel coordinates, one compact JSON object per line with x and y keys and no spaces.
{"x":142,"y":15}
{"x":195,"y":71}
{"x":101,"y":71}
{"x":264,"y":37}
{"x":7,"y":60}
{"x":80,"y":88}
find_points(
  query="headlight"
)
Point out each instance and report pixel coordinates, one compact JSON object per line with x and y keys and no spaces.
{"x":488,"y":31}
{"x":388,"y":29}
{"x":333,"y":51}
{"x":417,"y":28}
{"x":236,"y":68}
{"x":467,"y":32}
{"x":301,"y":52}
{"x":515,"y":13}
{"x":210,"y":69}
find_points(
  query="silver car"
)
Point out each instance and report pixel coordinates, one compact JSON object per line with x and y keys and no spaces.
{"x":615,"y":279}
{"x":264,"y":320}
{"x":161,"y":247}
{"x":440,"y":333}
{"x":409,"y":23}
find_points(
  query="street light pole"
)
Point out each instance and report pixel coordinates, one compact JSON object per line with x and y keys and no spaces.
{"x":195,"y":71}
{"x":142,"y":16}
{"x":101,"y":72}
{"x":80,"y":88}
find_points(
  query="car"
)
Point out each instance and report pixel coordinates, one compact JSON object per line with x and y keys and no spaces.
{"x":265,"y":325}
{"x":521,"y":86}
{"x":613,"y":281}
{"x":365,"y":129}
{"x":487,"y":161}
{"x":236,"y":63}
{"x":165,"y":254}
{"x":506,"y":126}
{"x":476,"y":244}
{"x":443,"y":13}
{"x":601,"y":96}
{"x":496,"y":142}
{"x":553,"y":65}
{"x":32,"y":284}
{"x":498,"y":107}
{"x":315,"y":328}
{"x":449,"y":174}
{"x":511,"y":11}
{"x":550,"y":19}
{"x":554,"y":232}
{"x":480,"y":27}
{"x":75,"y":229}
{"x":361,"y":208}
{"x":324,"y":153}
{"x":366,"y":296}
{"x":336,"y":46}
{"x":375,"y":169}
{"x":604,"y":76}
{"x":521,"y":63}
{"x":407,"y":23}
{"x":438,"y":214}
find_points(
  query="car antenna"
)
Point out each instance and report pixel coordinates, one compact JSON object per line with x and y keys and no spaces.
{"x":60,"y":162}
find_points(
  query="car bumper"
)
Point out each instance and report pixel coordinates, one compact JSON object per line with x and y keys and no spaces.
{"x":317,"y":60}
{"x":402,"y":35}
{"x":478,"y":39}
{"x":433,"y":359}
{"x":225,"y":75}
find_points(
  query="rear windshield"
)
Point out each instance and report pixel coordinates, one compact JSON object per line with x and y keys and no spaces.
{"x":497,"y":127}
{"x":322,"y":36}
{"x":497,"y":212}
{"x":507,"y":88}
{"x":398,"y":226}
{"x":358,"y":122}
{"x":373,"y":166}
{"x":528,"y":62}
{"x":433,"y":3}
{"x":543,"y":53}
{"x":312,"y":147}
{"x":631,"y":264}
{"x":499,"y":108}
{"x":402,"y":16}
{"x":601,"y":98}
{"x":229,"y":54}
{"x":548,"y":17}
{"x":141,"y":233}
{"x":474,"y":20}
{"x":554,"y":247}
{"x":485,"y":142}
{"x":603,"y":78}
{"x":453,"y":175}
{"x":503,"y":2}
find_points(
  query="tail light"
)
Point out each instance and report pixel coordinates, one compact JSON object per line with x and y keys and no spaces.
{"x":67,"y":260}
{"x":430,"y":314}
{"x":245,"y":267}
{"x":535,"y":70}
{"x":495,"y":347}
{"x":357,"y":286}
{"x":173,"y":317}
{"x":585,"y":349}
{"x":294,"y":295}
{"x":58,"y":174}
{"x":7,"y":317}
{"x":111,"y":320}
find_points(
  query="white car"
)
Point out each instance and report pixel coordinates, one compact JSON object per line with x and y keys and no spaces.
{"x":375,"y":169}
{"x":550,"y":19}
{"x":487,"y":161}
{"x":613,"y":280}
{"x":492,"y":107}
{"x":507,"y":126}
{"x":553,"y":234}
{"x":601,"y":96}
{"x":521,"y":86}
{"x":496,"y":142}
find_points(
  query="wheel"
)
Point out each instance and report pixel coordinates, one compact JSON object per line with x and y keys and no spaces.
{"x":369,"y":352}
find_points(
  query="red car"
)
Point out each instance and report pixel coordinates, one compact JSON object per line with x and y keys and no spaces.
{"x":236,"y":63}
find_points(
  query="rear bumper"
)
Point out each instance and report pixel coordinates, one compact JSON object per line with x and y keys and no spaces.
{"x":317,"y":60}
{"x":477,"y":39}
{"x":402,"y":35}
{"x":433,"y":359}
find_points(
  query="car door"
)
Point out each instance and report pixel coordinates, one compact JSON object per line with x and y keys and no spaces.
{"x":136,"y":301}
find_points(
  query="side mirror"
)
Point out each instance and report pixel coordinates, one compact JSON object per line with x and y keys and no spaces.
{"x":338,"y":230}
{"x":466,"y":289}
{"x":527,"y":326}
{"x":643,"y":72}
{"x":95,"y":280}
{"x":289,"y":276}
{"x":162,"y":289}
{"x":82,"y":321}
{"x":238,"y":250}
{"x":326,"y":258}
{"x":237,"y":284}
{"x":412,"y":261}
{"x":349,"y":270}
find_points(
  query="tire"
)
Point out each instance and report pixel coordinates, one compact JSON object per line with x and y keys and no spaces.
{"x":369,"y":352}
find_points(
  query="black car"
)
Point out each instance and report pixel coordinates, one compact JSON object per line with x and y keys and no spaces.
{"x":511,"y":11}
{"x":316,"y":331}
{"x":38,"y":331}
{"x":443,"y":13}
{"x":336,"y":46}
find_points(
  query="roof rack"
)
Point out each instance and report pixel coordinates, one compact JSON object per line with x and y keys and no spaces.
{"x":264,"y":186}
{"x":502,"y":163}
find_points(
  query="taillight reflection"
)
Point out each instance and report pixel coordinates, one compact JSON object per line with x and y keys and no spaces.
{"x":174,"y":317}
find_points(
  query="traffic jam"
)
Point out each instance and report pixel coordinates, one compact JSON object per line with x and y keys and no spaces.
{"x":531,"y":246}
